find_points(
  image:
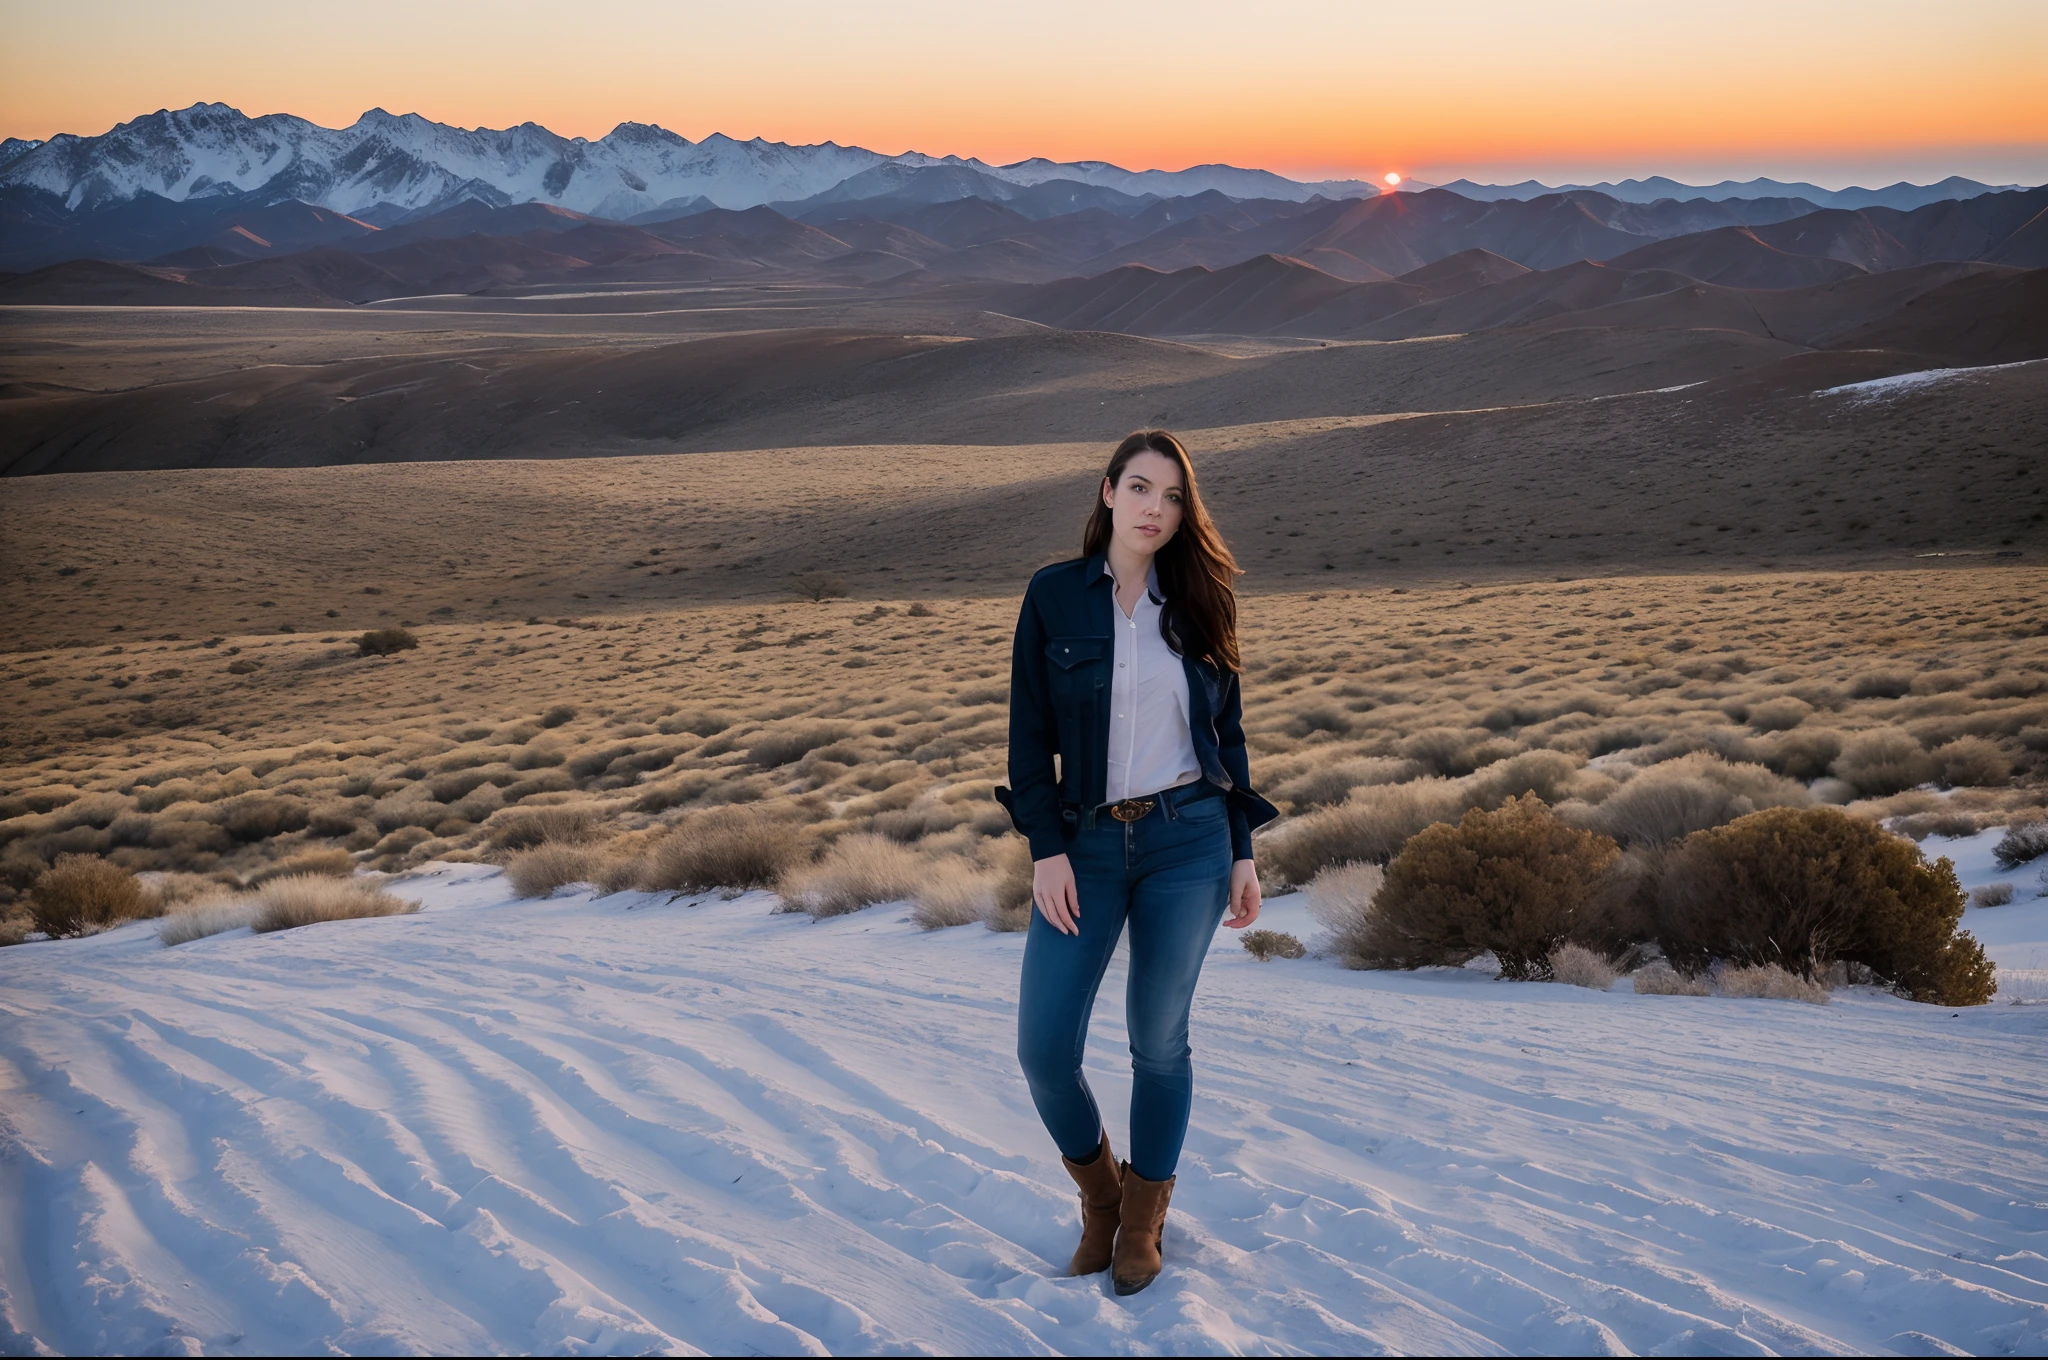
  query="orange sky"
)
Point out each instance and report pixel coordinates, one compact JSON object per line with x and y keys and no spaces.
{"x":1831,"y":92}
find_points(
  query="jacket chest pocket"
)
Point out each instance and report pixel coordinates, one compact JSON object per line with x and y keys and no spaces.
{"x":1078,"y":671}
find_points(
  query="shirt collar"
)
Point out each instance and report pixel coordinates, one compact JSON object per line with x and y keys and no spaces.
{"x":1151,"y":579}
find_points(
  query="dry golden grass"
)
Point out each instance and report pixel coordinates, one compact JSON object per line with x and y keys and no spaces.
{"x":311,"y":899}
{"x":1771,"y":983}
{"x":1582,"y":967}
{"x":1661,"y":979}
{"x":736,"y":743}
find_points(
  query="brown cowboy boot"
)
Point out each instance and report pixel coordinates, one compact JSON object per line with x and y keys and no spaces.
{"x":1137,"y":1259}
{"x":1102,"y":1197}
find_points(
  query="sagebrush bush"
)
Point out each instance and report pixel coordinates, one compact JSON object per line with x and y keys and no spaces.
{"x":1661,"y":979}
{"x":15,"y":927}
{"x":1370,"y":826}
{"x":524,"y":828}
{"x":951,"y":894}
{"x":1768,"y":982}
{"x":2022,"y":843}
{"x":1008,"y":860}
{"x":1971,"y":762}
{"x":550,"y":865}
{"x":856,"y":872}
{"x":1670,"y":801}
{"x":259,"y":816}
{"x":1779,"y":715}
{"x":197,"y":920}
{"x":328,"y":860}
{"x":1267,"y":945}
{"x":1799,"y":888}
{"x":1544,"y":773}
{"x":1582,"y":967}
{"x":1326,"y":784}
{"x":1991,"y":895}
{"x":727,"y":847}
{"x":1340,"y":898}
{"x":1884,"y":760}
{"x":84,"y":894}
{"x":386,"y":642}
{"x":309,"y":899}
{"x":1517,"y":882}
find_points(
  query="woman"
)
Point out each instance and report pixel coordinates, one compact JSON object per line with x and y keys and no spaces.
{"x":1128,"y":777}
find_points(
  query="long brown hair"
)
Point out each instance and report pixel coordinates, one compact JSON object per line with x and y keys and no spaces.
{"x":1195,"y":567}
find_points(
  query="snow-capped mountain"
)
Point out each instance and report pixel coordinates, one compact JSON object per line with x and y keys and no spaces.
{"x":413,"y":163}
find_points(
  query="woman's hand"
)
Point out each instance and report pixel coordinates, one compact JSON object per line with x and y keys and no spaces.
{"x":1053,"y":892}
{"x":1244,"y":895}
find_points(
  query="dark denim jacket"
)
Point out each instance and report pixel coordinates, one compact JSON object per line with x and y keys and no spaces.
{"x":1059,"y":706}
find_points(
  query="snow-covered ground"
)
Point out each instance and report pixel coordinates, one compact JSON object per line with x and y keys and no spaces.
{"x":634,"y":1124}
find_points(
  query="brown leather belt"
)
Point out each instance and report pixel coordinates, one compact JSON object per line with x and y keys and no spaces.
{"x":1131,"y":809}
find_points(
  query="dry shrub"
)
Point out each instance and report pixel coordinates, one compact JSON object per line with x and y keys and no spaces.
{"x":1802,"y":887}
{"x":1369,"y":827}
{"x":1779,"y":715}
{"x":557,"y":715}
{"x":1991,"y":895}
{"x":1446,"y":750}
{"x":1883,"y":761}
{"x":1008,"y":859}
{"x":857,"y":872}
{"x":546,"y":867}
{"x":726,"y":847}
{"x":197,"y":920}
{"x":1661,"y":979}
{"x":1670,"y":801}
{"x":1942,"y":682}
{"x":2022,"y":843}
{"x":1971,"y":761}
{"x":1767,"y":981}
{"x":1326,"y":785}
{"x":951,"y":894}
{"x":1803,"y":754}
{"x":386,"y":642}
{"x":259,"y":816}
{"x":334,"y":863}
{"x":1543,"y":773}
{"x":524,"y":828}
{"x":15,"y":927}
{"x":776,"y":749}
{"x":308,"y":899}
{"x":171,"y":890}
{"x":1516,"y":881}
{"x":1267,"y":945}
{"x":83,"y":894}
{"x":1340,"y":897}
{"x":694,"y":724}
{"x":1880,"y":685}
{"x":1582,"y":967}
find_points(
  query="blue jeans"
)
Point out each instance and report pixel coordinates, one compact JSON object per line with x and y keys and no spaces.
{"x":1167,"y":876}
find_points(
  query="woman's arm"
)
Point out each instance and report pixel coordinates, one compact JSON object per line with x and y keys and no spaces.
{"x":1034,"y":737}
{"x":1230,"y":750}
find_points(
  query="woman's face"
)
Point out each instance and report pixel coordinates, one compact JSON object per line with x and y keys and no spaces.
{"x":1145,"y":504}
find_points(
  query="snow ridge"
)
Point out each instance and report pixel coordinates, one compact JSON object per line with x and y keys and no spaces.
{"x":415,"y":163}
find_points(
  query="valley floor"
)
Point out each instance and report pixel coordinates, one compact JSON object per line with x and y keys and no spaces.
{"x":635,"y":1124}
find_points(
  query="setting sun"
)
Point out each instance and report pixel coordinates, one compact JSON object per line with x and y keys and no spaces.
{"x":1392,"y":178}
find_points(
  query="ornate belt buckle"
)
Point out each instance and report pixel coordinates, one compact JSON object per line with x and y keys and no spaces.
{"x":1131,"y":809}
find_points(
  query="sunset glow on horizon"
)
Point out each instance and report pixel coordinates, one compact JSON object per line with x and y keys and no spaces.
{"x":1831,"y":92}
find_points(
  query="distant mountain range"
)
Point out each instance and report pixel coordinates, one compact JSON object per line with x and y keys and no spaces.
{"x":1901,"y":195}
{"x":405,"y":164}
{"x":385,"y":167}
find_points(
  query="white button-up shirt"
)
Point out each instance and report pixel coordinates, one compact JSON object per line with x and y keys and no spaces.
{"x":1151,"y":746}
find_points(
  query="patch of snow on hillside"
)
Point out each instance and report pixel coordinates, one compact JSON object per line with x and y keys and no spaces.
{"x":1879,"y":389}
{"x":641,"y":1123}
